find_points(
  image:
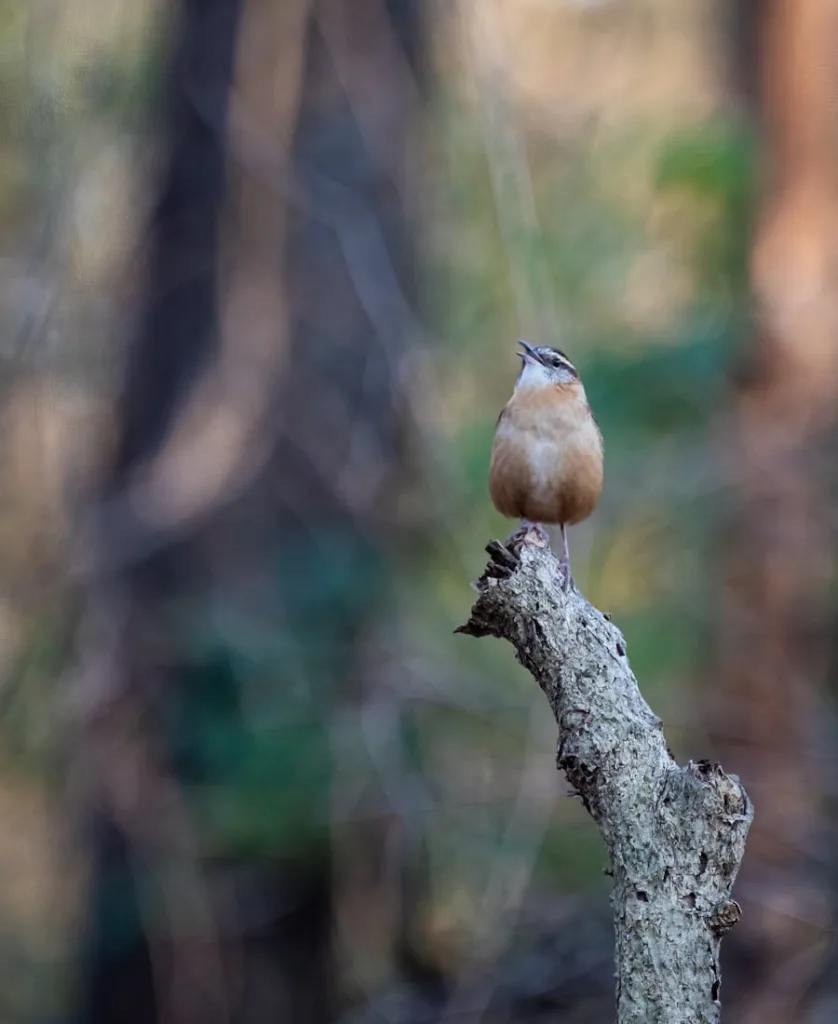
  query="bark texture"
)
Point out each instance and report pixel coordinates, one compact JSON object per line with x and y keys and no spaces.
{"x":675,"y":835}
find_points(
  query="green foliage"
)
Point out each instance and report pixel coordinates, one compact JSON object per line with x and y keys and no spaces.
{"x":29,"y":698}
{"x":248,"y":716}
{"x":715,"y":166}
{"x":124,"y":92}
{"x":662,"y":390}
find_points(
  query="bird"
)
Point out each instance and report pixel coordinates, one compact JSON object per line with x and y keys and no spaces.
{"x":546,"y":463}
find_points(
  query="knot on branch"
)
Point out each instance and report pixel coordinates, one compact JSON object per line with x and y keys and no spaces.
{"x":734,"y":801}
{"x":724,"y":917}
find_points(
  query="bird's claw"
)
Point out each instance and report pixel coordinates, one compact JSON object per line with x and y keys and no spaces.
{"x":565,"y":575}
{"x":530,"y":533}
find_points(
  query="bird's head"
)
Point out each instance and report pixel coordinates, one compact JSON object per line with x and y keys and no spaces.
{"x":542,"y":366}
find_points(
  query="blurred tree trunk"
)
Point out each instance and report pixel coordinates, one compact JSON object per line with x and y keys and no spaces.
{"x":775,"y":635}
{"x":242,"y":542}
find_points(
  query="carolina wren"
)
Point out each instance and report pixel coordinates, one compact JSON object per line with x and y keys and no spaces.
{"x":546,"y":464}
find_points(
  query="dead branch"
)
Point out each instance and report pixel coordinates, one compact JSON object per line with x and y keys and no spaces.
{"x":675,"y":835}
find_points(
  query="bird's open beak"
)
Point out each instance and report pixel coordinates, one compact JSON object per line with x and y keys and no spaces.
{"x":529,"y":352}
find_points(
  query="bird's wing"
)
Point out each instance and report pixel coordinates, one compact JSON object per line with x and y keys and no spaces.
{"x":599,"y":432}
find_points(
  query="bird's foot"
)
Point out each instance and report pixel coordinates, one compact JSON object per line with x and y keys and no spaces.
{"x":530,"y":533}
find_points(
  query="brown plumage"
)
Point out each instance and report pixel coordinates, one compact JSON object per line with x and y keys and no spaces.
{"x":547,"y":457}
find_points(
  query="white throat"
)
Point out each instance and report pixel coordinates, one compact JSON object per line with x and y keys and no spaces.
{"x":535,"y":375}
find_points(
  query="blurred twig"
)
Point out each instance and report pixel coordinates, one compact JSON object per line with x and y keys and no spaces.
{"x":512,"y":184}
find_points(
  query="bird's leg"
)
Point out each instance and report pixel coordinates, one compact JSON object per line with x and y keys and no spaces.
{"x":564,"y":561}
{"x":537,"y":529}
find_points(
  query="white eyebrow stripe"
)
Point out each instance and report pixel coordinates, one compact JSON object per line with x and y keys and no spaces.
{"x":561,"y":357}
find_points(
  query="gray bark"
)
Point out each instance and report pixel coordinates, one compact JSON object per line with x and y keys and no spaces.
{"x":675,"y":835}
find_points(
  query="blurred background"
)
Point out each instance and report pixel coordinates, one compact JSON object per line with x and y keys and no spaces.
{"x":263,"y":268}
